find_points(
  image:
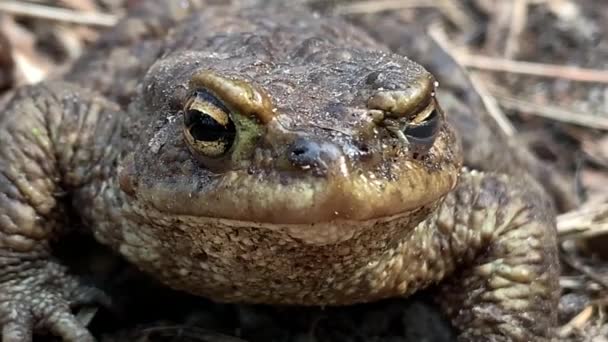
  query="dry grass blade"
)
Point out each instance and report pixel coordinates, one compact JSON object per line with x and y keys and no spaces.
{"x":596,"y":121}
{"x":492,"y":105}
{"x":81,"y":5}
{"x":57,"y":14}
{"x":587,"y":270}
{"x":518,"y":23}
{"x":535,"y":69}
{"x":583,"y":231}
{"x":438,"y":35}
{"x":578,"y":322}
{"x":577,"y":283}
{"x":375,"y":6}
{"x":450,"y":8}
{"x":454,"y":11}
{"x":29,"y":66}
{"x":585,"y":222}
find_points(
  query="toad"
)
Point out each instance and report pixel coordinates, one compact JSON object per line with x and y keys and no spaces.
{"x":263,"y":154}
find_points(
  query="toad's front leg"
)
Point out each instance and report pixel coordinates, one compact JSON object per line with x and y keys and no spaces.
{"x":503,"y":230}
{"x":56,"y":148}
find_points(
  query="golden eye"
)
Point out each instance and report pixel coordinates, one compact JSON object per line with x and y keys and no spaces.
{"x":208,"y":128}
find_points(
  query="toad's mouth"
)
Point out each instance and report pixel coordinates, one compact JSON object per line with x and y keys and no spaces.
{"x":306,"y":199}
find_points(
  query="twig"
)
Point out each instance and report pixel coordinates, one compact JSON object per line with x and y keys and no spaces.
{"x":454,"y":12}
{"x":491,"y":105}
{"x":574,"y":282}
{"x":31,"y":72}
{"x":582,"y":231}
{"x":588,"y":271}
{"x":597,"y":121}
{"x":535,"y":69}
{"x":451,"y":9}
{"x":519,"y":16}
{"x":585,"y":222}
{"x":57,"y":14}
{"x":375,"y":6}
{"x":438,"y":35}
{"x":577,"y":322}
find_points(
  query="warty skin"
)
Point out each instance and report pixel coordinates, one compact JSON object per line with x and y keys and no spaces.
{"x":317,"y":200}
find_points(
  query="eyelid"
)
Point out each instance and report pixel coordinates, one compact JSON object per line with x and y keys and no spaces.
{"x":403,"y":103}
{"x":242,"y":96}
{"x":424,"y":114}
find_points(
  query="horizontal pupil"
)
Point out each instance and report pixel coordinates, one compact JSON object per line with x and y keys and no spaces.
{"x":425,"y":129}
{"x":204,"y":128}
{"x":420,"y":131}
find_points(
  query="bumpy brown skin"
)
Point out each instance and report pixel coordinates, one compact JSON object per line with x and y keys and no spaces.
{"x":485,"y":145}
{"x":355,"y":216}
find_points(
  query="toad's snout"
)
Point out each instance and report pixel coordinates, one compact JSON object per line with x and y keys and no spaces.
{"x":317,"y":156}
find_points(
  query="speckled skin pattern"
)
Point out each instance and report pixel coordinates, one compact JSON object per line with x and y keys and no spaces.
{"x":356,"y":215}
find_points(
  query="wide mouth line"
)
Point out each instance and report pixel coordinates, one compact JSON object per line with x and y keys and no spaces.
{"x":269,"y":224}
{"x":296,"y":217}
{"x":243,"y":199}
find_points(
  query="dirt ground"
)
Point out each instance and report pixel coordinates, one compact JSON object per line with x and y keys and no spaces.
{"x":542,"y":68}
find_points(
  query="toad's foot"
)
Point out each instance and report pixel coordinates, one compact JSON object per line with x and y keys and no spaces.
{"x":38,"y":294}
{"x":56,"y":139}
{"x":510,"y":290}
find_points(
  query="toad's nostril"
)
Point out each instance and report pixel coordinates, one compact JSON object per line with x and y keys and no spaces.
{"x":298,"y":151}
{"x":304,"y":152}
{"x":313,"y":155}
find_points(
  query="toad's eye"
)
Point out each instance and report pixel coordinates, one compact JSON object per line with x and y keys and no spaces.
{"x":424,"y":128}
{"x":208,"y":128}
